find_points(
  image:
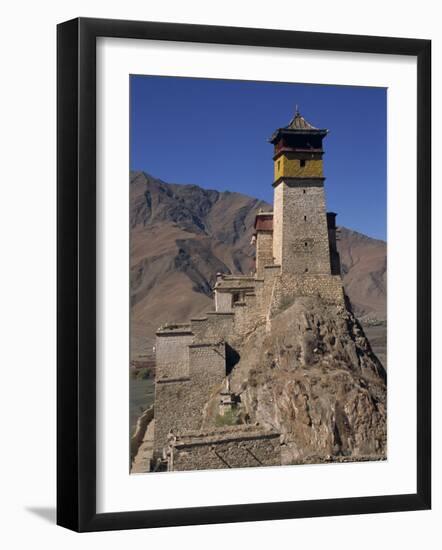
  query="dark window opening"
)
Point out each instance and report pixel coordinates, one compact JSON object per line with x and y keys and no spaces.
{"x":279,"y":163}
{"x":306,"y":269}
{"x":236,"y":297}
{"x":303,"y":191}
{"x":303,"y":161}
{"x":305,"y":244}
{"x":305,"y":218}
{"x":232,"y":358}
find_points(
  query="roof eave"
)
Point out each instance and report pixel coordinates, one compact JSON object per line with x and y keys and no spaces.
{"x":298,"y":131}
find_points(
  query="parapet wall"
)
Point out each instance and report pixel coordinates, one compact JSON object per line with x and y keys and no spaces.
{"x":232,"y":447}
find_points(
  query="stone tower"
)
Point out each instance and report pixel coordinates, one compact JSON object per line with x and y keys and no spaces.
{"x":300,"y":231}
{"x":296,"y":256}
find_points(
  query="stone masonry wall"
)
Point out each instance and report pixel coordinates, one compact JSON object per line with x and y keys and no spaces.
{"x":179,"y":402}
{"x":228,"y":448}
{"x":264,"y":251}
{"x":223,"y":301}
{"x":247,"y":315}
{"x":219,"y":326}
{"x":207,"y":372}
{"x":199,"y":328}
{"x":171,"y":354}
{"x":305,"y":246}
{"x":278,"y":203}
{"x":207,"y":364}
{"x":215,"y":327}
{"x":286,"y":288}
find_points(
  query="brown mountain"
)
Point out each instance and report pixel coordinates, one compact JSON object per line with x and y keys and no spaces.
{"x":182,"y":235}
{"x":364,"y":269}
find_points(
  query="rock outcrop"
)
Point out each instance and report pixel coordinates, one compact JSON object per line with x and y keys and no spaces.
{"x":310,"y":374}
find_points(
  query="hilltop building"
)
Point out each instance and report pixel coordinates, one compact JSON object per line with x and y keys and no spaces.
{"x":296,"y":255}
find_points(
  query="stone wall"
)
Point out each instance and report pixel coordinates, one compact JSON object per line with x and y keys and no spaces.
{"x":199,"y":328}
{"x":304,"y":245}
{"x":264,"y":251}
{"x":207,"y":366}
{"x":286,"y":288}
{"x":215,"y":327}
{"x":247,"y":315}
{"x":179,"y":402}
{"x":234,"y":447}
{"x":278,"y":203}
{"x":219,"y":326}
{"x":223,"y":301}
{"x":171,"y":353}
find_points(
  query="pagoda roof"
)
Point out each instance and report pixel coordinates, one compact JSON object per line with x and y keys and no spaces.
{"x":297,"y":126}
{"x":298,"y":122}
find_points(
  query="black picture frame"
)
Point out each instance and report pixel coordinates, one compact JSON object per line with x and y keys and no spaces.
{"x":77,"y":287}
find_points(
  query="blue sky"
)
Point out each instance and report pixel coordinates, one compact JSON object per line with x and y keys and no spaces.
{"x":213,"y":133}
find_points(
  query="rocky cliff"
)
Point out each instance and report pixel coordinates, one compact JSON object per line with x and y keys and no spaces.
{"x":312,"y":376}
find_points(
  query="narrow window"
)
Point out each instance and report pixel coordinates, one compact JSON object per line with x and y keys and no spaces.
{"x":303,"y":191}
{"x":305,"y":244}
{"x":279,"y":163}
{"x":302,"y":163}
{"x":306,"y":269}
{"x":305,"y":218}
{"x":236,"y":297}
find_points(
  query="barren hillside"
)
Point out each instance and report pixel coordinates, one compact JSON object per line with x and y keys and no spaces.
{"x":364,"y":267}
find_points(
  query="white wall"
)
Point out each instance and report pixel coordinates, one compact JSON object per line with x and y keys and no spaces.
{"x":27,"y":289}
